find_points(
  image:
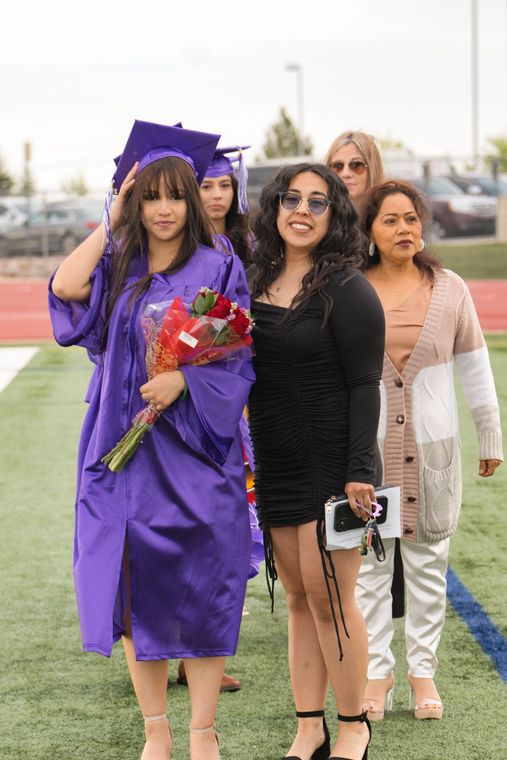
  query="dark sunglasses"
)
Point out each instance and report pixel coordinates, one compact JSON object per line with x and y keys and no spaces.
{"x":316,"y":206}
{"x":357,"y":166}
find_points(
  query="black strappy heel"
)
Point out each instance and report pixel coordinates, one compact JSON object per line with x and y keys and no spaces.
{"x":322,"y":752}
{"x":363,"y":718}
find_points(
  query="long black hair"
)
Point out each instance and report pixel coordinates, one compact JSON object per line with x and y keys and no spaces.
{"x":342,"y":248}
{"x":131,"y":241}
{"x":237,"y":228}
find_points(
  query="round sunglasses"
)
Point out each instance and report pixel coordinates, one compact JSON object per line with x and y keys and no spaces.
{"x":316,"y":206}
{"x":356,"y":166}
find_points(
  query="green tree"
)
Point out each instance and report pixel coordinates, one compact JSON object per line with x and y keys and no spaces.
{"x":283,"y":139}
{"x":499,"y":156}
{"x":75,"y":186}
{"x":6,"y":180}
{"x":389,"y":143}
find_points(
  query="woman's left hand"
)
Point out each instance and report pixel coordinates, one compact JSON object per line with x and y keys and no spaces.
{"x":362,"y":493}
{"x":487,"y":467}
{"x":163,"y":390}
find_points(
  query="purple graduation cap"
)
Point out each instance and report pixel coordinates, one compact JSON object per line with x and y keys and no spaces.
{"x":116,"y":159}
{"x":220,"y":165}
{"x":150,"y":142}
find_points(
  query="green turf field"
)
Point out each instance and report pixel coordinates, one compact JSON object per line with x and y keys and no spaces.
{"x":474,"y":261}
{"x":59,"y":704}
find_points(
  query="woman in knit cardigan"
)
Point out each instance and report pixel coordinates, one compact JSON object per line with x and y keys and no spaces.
{"x":431,"y":324}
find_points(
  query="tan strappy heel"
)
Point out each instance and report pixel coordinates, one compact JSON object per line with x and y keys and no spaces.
{"x":154,"y":719}
{"x":207,"y":730}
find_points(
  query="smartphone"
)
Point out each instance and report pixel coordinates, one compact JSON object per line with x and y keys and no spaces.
{"x":345,"y":519}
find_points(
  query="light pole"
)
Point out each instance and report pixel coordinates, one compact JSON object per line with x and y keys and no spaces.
{"x":475,"y":80}
{"x":299,"y":85}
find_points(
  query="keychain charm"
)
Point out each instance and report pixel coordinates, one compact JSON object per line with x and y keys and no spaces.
{"x":370,"y":539}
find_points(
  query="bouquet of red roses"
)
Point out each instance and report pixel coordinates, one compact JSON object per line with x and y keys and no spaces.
{"x":213,"y":327}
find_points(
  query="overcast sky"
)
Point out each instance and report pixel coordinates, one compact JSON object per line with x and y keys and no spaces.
{"x":74,"y":76}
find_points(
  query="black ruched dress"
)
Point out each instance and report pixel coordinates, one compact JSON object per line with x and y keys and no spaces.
{"x":314,"y":408}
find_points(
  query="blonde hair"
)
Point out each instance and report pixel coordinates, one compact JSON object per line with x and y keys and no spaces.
{"x":367,"y":147}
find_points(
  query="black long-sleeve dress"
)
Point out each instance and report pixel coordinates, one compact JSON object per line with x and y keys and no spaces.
{"x":314,"y":407}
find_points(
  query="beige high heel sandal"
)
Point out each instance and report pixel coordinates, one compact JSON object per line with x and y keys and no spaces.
{"x":428,"y":709}
{"x":156,"y":718}
{"x":206,"y":730}
{"x":376,"y":709}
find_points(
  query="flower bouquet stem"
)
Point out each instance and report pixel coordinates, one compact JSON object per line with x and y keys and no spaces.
{"x":121,"y":454}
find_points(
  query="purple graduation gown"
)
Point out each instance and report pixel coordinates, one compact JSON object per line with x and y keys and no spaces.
{"x":180,"y":502}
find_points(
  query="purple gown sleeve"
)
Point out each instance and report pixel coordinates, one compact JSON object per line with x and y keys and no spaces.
{"x":217,"y":392}
{"x":82,"y":323}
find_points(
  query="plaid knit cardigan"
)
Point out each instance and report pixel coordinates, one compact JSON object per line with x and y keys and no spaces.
{"x":418,"y":432}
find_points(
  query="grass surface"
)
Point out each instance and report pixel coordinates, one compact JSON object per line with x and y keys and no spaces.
{"x":475,"y":261}
{"x":57,"y":703}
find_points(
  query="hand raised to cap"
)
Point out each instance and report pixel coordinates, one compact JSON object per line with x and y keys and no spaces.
{"x":116,"y":216}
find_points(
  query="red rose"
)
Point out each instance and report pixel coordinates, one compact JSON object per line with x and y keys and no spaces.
{"x":221,"y":309}
{"x":241,"y":324}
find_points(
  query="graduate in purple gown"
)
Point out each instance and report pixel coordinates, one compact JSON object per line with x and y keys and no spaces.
{"x":224,"y":197}
{"x":162,"y":549}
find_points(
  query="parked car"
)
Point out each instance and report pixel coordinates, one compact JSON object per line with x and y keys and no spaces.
{"x":58,"y":228}
{"x":454,"y":212}
{"x":480,"y":185}
{"x":260,"y":174}
{"x":13,"y":212}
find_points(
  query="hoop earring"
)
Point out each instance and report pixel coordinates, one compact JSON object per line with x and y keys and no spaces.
{"x":371,"y":249}
{"x":421,"y":246}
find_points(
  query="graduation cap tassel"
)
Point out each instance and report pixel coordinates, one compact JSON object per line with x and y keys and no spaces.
{"x":242,"y":183}
{"x":107,"y":219}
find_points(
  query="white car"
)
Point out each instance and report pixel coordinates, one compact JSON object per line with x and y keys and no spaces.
{"x":12,"y":213}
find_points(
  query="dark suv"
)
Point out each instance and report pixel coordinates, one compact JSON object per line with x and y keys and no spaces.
{"x":480,"y":185}
{"x":454,"y":212}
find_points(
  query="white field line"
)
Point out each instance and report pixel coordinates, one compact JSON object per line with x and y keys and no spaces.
{"x":12,"y":360}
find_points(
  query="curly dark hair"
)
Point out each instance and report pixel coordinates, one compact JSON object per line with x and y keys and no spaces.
{"x":237,"y":228}
{"x":130,"y":241}
{"x":342,"y":249}
{"x":424,"y":260}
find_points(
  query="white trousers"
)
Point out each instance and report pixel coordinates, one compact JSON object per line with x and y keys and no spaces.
{"x":424,"y":569}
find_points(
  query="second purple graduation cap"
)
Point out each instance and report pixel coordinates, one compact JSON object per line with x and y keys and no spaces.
{"x":149,"y":142}
{"x":222,"y":165}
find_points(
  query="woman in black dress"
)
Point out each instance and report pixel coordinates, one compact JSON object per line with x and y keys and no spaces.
{"x":319,"y":341}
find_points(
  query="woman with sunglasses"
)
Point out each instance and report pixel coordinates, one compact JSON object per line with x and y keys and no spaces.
{"x":319,"y":340}
{"x":355,"y":159}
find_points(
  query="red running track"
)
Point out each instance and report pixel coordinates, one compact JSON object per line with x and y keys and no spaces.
{"x":24,"y":314}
